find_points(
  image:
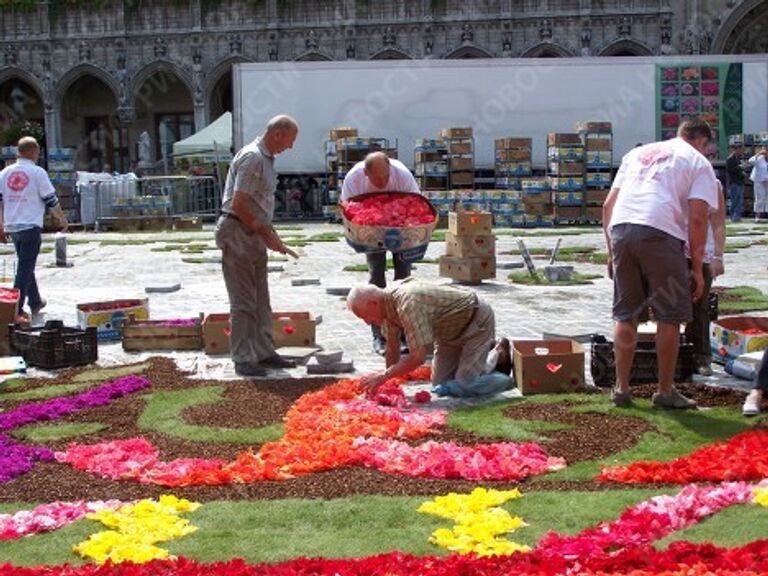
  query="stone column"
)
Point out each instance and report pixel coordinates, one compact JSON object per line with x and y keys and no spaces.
{"x":125,"y":117}
{"x":52,"y":123}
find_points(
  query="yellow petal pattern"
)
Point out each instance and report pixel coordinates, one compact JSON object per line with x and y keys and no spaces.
{"x":761,"y":496}
{"x":480,"y":523}
{"x":136,"y":528}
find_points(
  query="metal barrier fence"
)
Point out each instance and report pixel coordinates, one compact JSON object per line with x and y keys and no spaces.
{"x":150,"y":197}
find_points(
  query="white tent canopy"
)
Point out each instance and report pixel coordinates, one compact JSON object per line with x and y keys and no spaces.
{"x":213,"y":141}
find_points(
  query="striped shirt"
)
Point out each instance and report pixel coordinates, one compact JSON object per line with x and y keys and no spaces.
{"x":427,"y":312}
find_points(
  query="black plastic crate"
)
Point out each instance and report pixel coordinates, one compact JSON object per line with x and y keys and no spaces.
{"x":54,"y":345}
{"x":603,"y":363}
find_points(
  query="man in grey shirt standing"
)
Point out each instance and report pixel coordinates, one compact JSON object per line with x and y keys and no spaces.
{"x":244,"y":233}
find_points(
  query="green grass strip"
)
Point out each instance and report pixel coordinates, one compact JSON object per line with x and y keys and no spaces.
{"x":104,"y":374}
{"x":740,"y":299}
{"x":42,"y":433}
{"x":487,"y":420}
{"x":44,"y":392}
{"x":364,"y":267}
{"x":733,"y":247}
{"x":577,"y":279}
{"x":326,"y":237}
{"x":278,"y":530}
{"x":163,"y":413}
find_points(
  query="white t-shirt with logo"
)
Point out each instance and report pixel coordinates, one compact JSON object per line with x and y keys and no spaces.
{"x":657,"y":180}
{"x":357,"y":183}
{"x":25,"y":190}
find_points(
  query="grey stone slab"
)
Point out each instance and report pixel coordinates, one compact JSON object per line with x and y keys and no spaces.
{"x":305,"y":281}
{"x":510,"y":265}
{"x":166,"y":289}
{"x":275,"y":268}
{"x":313,"y":367}
{"x":338,"y":290}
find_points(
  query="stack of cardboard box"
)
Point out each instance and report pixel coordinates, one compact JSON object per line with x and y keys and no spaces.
{"x":430,"y":161}
{"x":598,"y":163}
{"x":9,"y":304}
{"x":470,"y":248}
{"x":565,"y":162}
{"x":461,"y":156}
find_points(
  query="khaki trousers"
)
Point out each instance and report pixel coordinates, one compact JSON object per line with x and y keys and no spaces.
{"x":463,"y":359}
{"x":244,"y":264}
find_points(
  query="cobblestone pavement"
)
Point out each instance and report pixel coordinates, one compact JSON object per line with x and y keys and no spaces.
{"x":106,"y":269}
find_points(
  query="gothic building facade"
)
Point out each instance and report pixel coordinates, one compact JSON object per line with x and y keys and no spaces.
{"x":97,"y":75}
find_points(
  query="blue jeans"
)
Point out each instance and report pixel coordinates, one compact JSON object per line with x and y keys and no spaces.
{"x":27,"y":244}
{"x":736,"y":196}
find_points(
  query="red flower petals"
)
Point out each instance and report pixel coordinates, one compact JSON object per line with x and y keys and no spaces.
{"x":391,"y":210}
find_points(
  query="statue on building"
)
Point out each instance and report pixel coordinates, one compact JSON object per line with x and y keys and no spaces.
{"x":625,"y":27}
{"x":161,"y":49}
{"x":389,"y":38}
{"x":351,"y":48}
{"x":273,"y":48}
{"x":506,"y":43}
{"x":11,"y":56}
{"x":545,"y":29}
{"x":235,"y":44}
{"x":429,"y":45}
{"x":145,"y":150}
{"x":467,"y":34}
{"x":311,"y":41}
{"x":84,"y":51}
{"x":666,"y":36}
{"x":198,"y":80}
{"x":586,"y":39}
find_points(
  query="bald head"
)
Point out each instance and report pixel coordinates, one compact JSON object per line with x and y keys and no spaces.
{"x":366,"y":302}
{"x":27,"y":147}
{"x":377,"y":169}
{"x":280,"y":133}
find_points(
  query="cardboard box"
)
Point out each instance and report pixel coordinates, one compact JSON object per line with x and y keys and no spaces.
{"x":536,"y":198}
{"x":514,"y":168}
{"x":108,"y":317}
{"x":593,"y":213}
{"x":736,"y":335}
{"x":599,"y":142}
{"x":456,"y":133}
{"x":470,"y":246}
{"x":563,"y":138}
{"x":535,"y":184}
{"x":504,"y":143}
{"x":569,"y":198}
{"x":594,"y":127}
{"x":288,"y":329}
{"x":470,"y":223}
{"x":516,"y":155}
{"x":567,"y":183}
{"x":462,"y":163}
{"x":599,"y":158}
{"x":566,"y":168}
{"x":567,"y":154}
{"x":216,"y":332}
{"x":598,"y":179}
{"x":460,"y":147}
{"x":344,"y":132}
{"x":470,"y":270}
{"x":429,"y":156}
{"x":548,"y":366}
{"x":596,"y":196}
{"x":293,"y":329}
{"x":162,"y":335}
{"x":462,"y":179}
{"x":567,"y":212}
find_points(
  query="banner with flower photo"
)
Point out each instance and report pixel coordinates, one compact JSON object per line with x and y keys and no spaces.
{"x":712,"y":92}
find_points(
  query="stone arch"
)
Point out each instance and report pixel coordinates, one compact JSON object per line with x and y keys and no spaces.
{"x":467,"y":52}
{"x":74,"y":74}
{"x":162,"y":66}
{"x":625,"y":47}
{"x":391,"y":54}
{"x":740,"y":19}
{"x":217,"y":73}
{"x":314,"y":56}
{"x":13,"y":72}
{"x":547,"y":50}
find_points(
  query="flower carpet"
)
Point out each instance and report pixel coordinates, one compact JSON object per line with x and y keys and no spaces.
{"x":117,"y":499}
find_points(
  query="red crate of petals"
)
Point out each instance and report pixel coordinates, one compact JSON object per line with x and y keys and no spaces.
{"x":400,"y":222}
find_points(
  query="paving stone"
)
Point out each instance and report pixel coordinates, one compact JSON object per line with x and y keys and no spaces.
{"x":274,"y":267}
{"x":314,"y":367}
{"x":305,"y":281}
{"x":338,"y":290}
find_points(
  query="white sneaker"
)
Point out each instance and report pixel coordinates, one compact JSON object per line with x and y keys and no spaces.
{"x":752,"y":403}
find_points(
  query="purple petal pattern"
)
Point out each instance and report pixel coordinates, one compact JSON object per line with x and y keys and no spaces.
{"x":56,"y":408}
{"x":16,"y":459}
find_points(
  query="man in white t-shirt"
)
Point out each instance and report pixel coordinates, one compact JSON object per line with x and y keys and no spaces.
{"x":25,"y":192}
{"x":379,"y":173}
{"x":661,"y":198}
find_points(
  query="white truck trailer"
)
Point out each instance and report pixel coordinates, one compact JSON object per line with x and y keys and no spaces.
{"x":411,"y":99}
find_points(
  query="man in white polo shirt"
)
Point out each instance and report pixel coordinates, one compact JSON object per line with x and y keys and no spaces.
{"x":25,"y":192}
{"x":379,"y":173}
{"x":661,"y":198}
